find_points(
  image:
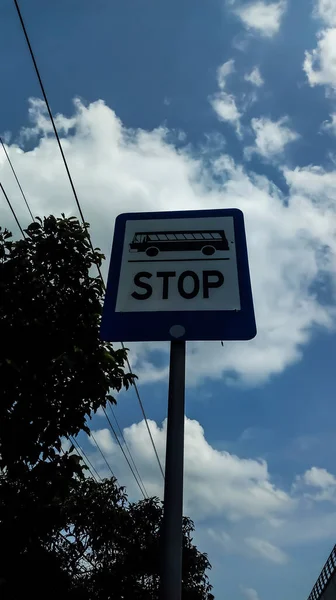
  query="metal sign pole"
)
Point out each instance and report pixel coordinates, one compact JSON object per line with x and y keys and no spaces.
{"x":171,"y":574}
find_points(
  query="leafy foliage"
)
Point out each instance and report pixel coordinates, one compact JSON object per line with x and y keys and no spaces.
{"x":63,"y":535}
{"x":54,"y":368}
{"x":121,"y":544}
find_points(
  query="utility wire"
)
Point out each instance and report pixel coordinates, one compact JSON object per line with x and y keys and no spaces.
{"x":82,"y":454}
{"x":103,"y":455}
{"x":17,"y":181}
{"x":144,"y":414}
{"x":83,"y":557}
{"x":142,"y":489}
{"x":77,"y":200}
{"x":82,"y":458}
{"x":126,"y":445}
{"x":12,"y":209}
{"x":54,"y":126}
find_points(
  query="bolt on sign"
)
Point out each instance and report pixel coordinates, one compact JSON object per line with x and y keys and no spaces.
{"x":179,"y":275}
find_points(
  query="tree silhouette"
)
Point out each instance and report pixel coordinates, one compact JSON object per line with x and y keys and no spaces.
{"x":61,"y":533}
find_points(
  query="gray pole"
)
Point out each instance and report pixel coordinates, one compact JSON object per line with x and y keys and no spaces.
{"x":171,"y":574}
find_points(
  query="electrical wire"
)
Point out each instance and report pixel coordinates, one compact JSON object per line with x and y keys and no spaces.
{"x":144,"y":414}
{"x":83,"y":557}
{"x":78,"y":203}
{"x":125,"y":443}
{"x":82,"y":454}
{"x":103,"y":455}
{"x":17,"y":181}
{"x":12,"y":209}
{"x":54,"y":126}
{"x":142,"y":489}
{"x":82,"y":458}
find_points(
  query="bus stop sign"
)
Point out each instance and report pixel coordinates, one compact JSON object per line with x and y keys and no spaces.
{"x":179,"y":275}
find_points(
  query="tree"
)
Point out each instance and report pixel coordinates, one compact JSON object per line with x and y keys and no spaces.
{"x":54,"y":368}
{"x":58,"y":528}
{"x":120,"y":543}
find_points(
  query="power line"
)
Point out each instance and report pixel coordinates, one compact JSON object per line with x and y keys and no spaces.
{"x":83,"y":557}
{"x":125,"y":444}
{"x":144,"y":414}
{"x":12,"y":209}
{"x":17,"y":181}
{"x":77,"y":201}
{"x":142,"y":489}
{"x":103,"y":455}
{"x":54,"y":126}
{"x":82,"y":454}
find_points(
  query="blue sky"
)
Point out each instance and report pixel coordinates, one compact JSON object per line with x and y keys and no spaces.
{"x":207,"y":104}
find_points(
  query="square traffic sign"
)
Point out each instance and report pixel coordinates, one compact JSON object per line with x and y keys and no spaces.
{"x":179,"y":275}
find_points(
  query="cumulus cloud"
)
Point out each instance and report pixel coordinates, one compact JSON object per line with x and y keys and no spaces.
{"x":271,"y":137}
{"x":322,"y":482}
{"x":330,"y":126}
{"x":223,"y":103}
{"x":326,"y":10}
{"x":291,"y":239}
{"x":255,"y":77}
{"x":320,"y":64}
{"x":319,"y":478}
{"x":234,"y":500}
{"x":266,"y":550}
{"x":225,"y":107}
{"x":215,"y":482}
{"x":223,"y":72}
{"x":249,"y":547}
{"x":250,"y":593}
{"x":262,"y":17}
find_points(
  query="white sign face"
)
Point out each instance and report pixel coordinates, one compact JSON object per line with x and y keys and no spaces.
{"x":179,"y":265}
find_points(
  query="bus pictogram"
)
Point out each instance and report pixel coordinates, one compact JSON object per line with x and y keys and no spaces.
{"x":153,"y":242}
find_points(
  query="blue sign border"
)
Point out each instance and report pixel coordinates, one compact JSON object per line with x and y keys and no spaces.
{"x":198,"y":325}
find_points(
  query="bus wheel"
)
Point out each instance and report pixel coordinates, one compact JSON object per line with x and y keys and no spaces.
{"x":152,"y":251}
{"x":208,"y":250}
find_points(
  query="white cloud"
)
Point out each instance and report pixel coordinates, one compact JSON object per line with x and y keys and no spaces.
{"x":226,"y":109}
{"x":320,"y":64}
{"x":266,"y":550}
{"x":255,"y":77}
{"x":249,"y":547}
{"x":330,"y":125}
{"x":319,"y":479}
{"x":263,"y":17}
{"x":223,"y":103}
{"x":326,"y":10}
{"x":238,"y":509}
{"x":223,"y":72}
{"x":271,"y":137}
{"x":291,"y":240}
{"x":250,"y":593}
{"x":215,"y":482}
